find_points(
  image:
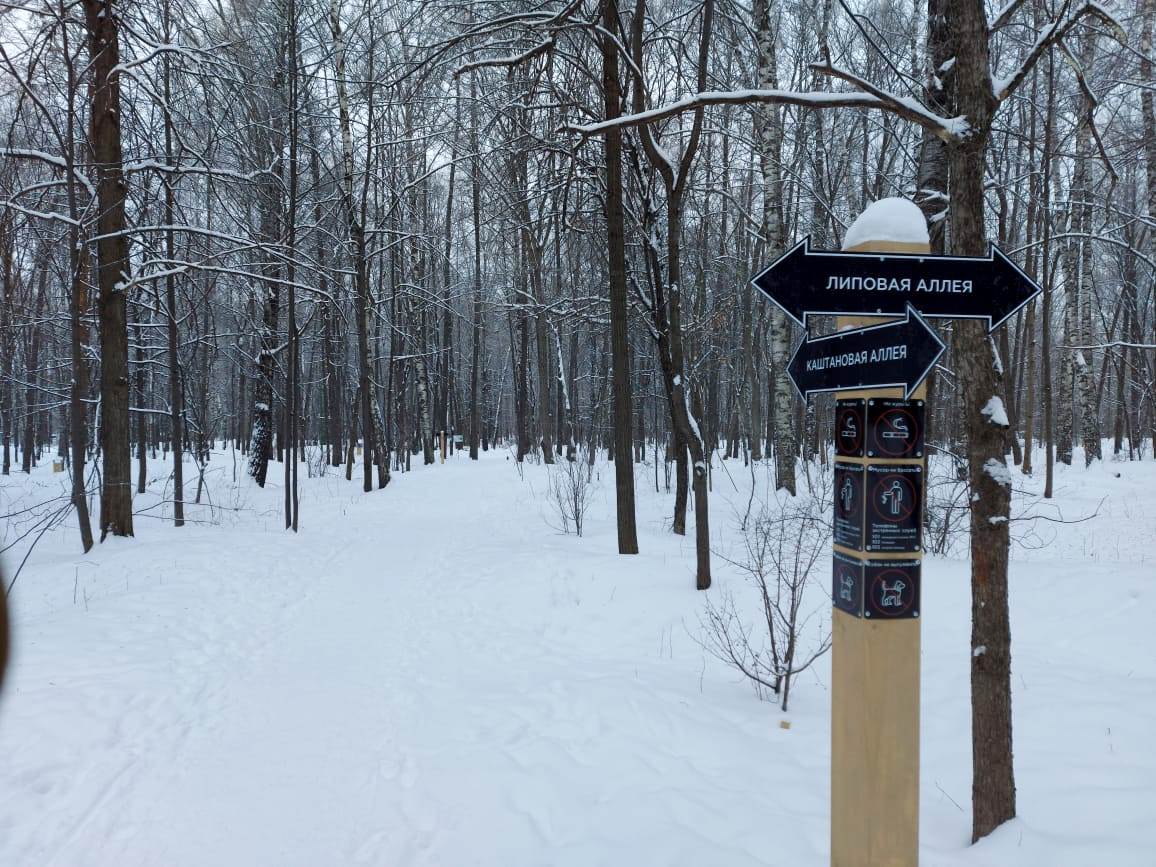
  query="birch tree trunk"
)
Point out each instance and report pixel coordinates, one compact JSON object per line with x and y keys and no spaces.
{"x":769,"y":144}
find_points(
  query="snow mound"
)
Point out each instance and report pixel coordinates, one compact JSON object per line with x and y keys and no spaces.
{"x":891,"y":219}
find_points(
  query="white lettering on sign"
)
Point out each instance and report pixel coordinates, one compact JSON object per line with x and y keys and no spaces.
{"x":956,"y":287}
{"x":880,"y":354}
{"x":889,"y":353}
{"x":935,"y":286}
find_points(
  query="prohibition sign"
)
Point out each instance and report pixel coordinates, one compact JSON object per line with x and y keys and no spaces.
{"x":894,"y":498}
{"x":896,"y":430}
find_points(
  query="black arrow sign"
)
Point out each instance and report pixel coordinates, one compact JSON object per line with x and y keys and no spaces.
{"x":899,"y":353}
{"x":806,"y":282}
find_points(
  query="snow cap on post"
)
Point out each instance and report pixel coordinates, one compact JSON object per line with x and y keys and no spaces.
{"x":896,"y":220}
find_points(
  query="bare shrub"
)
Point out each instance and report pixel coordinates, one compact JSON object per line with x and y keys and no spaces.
{"x":784,"y":544}
{"x":571,"y":484}
{"x":316,"y":463}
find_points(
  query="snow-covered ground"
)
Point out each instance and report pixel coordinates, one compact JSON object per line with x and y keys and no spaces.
{"x":432,"y":674}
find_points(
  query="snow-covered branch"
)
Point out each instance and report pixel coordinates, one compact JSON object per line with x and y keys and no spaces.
{"x":1053,"y":33}
{"x":806,"y":99}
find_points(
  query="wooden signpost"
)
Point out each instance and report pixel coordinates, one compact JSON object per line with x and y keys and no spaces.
{"x":877,"y":367}
{"x":875,"y":634}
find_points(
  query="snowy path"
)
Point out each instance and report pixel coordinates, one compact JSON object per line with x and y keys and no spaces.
{"x":430,"y":675}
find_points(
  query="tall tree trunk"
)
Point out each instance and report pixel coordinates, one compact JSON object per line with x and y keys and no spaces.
{"x":8,"y":340}
{"x":993,"y":780}
{"x":668,"y":295}
{"x":32,"y":368}
{"x":293,"y":341}
{"x":931,"y":176}
{"x":142,"y":417}
{"x":1148,"y":111}
{"x":356,"y":230}
{"x":1085,"y":380}
{"x":330,"y":312}
{"x":261,"y":440}
{"x":1047,"y":272}
{"x":542,"y":347}
{"x":77,"y":308}
{"x":769,"y":145}
{"x":476,"y":323}
{"x":176,"y":405}
{"x":616,"y":249}
{"x":445,"y":416}
{"x":113,"y":272}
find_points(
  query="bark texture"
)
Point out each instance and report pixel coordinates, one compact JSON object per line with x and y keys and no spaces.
{"x":993,"y":780}
{"x":113,"y":271}
{"x":619,"y":326}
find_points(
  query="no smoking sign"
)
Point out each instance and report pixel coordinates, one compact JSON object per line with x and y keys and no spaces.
{"x":894,"y":428}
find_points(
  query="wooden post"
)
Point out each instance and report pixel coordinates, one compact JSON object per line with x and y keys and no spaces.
{"x":875,"y":651}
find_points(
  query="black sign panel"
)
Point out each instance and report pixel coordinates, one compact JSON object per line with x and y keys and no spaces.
{"x":849,"y":483}
{"x":805,"y":282}
{"x":899,"y":353}
{"x":894,"y":428}
{"x":894,"y":508}
{"x":850,"y":428}
{"x":891,"y":589}
{"x":847,"y":584}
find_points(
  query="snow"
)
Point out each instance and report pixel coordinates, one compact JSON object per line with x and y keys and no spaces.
{"x":999,"y":471}
{"x":429,"y":675}
{"x":890,"y":219}
{"x":994,"y":412}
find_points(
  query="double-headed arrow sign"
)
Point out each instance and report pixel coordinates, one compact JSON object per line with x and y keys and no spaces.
{"x":899,"y":353}
{"x":806,"y":282}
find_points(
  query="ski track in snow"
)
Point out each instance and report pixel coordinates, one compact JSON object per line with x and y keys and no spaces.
{"x":431,"y":675}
